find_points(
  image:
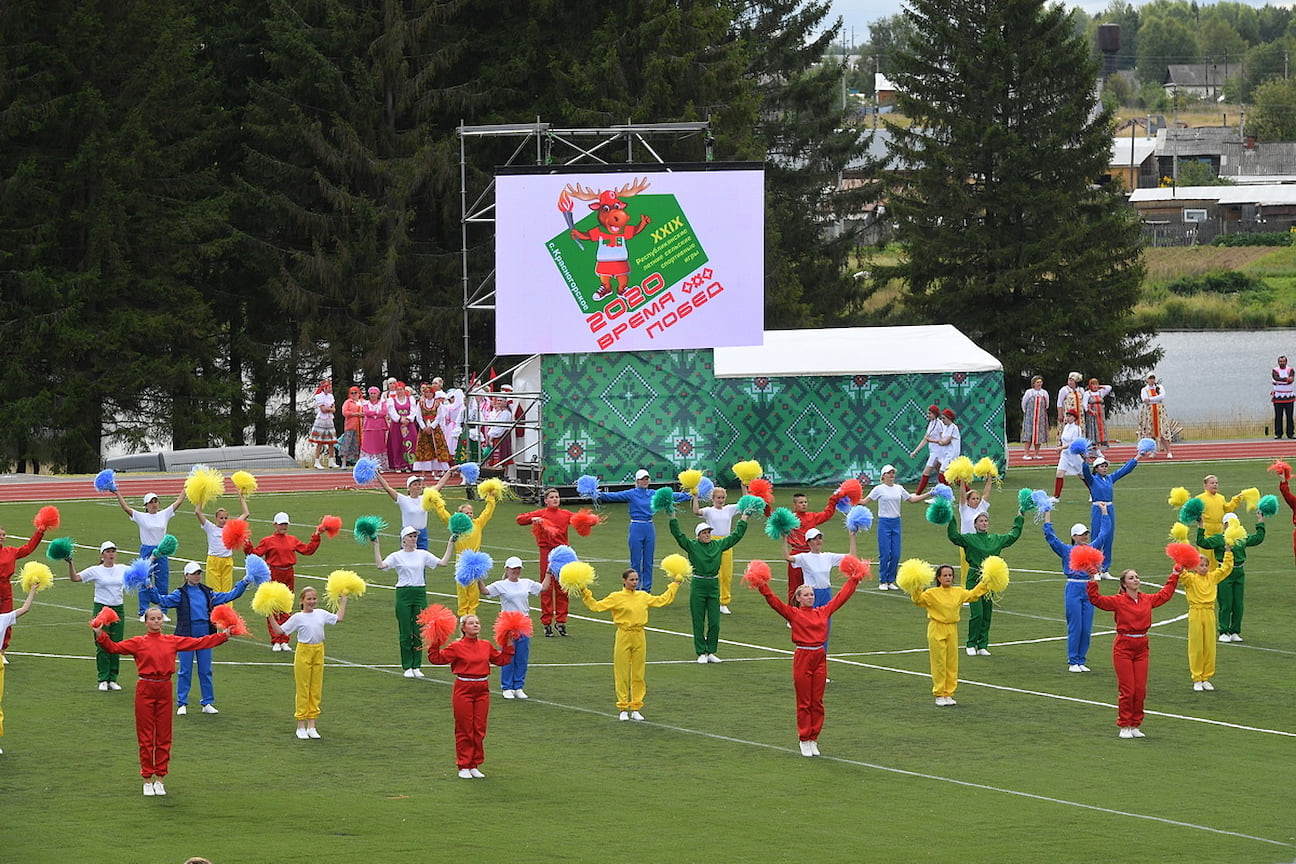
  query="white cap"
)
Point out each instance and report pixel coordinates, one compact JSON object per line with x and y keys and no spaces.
{"x":152,"y":496}
{"x":812,"y":534}
{"x":697,"y":532}
{"x":106,"y":545}
{"x":281,"y":518}
{"x":512,"y":561}
{"x":1101,"y":460}
{"x":412,"y":480}
{"x":642,"y":474}
{"x":192,"y":567}
{"x":886,"y":469}
{"x":409,"y":529}
{"x":440,"y":394}
{"x":1230,"y":517}
{"x":1079,"y":528}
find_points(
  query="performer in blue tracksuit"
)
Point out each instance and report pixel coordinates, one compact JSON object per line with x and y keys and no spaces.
{"x":1079,"y":611}
{"x":643,"y":537}
{"x":194,"y":602}
{"x":1100,"y":485}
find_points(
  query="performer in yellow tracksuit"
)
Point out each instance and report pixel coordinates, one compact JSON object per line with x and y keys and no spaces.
{"x":1199,"y":587}
{"x":1217,"y":505}
{"x":943,"y":603}
{"x":629,"y":608}
{"x":469,"y":595}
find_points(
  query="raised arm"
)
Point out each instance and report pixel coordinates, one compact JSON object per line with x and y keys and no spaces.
{"x":175,"y":505}
{"x":378,"y":558}
{"x":697,"y":505}
{"x":122,"y":501}
{"x":387,"y":487}
{"x":27,"y":604}
{"x":341,"y":613}
{"x":445,"y":559}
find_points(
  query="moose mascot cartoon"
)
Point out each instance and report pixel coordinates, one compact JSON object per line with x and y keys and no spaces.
{"x":612,"y":232}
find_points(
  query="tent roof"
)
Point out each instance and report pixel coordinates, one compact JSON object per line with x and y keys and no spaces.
{"x":856,"y":351}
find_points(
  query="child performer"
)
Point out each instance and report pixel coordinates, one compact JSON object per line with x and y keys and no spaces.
{"x":704,"y":592}
{"x":979,"y":546}
{"x":1133,"y":613}
{"x":1199,"y":588}
{"x":280,"y":551}
{"x":220,"y":561}
{"x":155,"y":660}
{"x":109,"y":579}
{"x":1101,"y":491}
{"x":943,"y":604}
{"x":9,"y":557}
{"x":514,"y":595}
{"x":470,"y":659}
{"x":308,"y":665}
{"x":6,"y":621}
{"x":1075,"y":599}
{"x":796,"y":541}
{"x":816,"y":566}
{"x":889,"y":495}
{"x":410,"y":564}
{"x":549,"y":525}
{"x":468,"y":595}
{"x":1215,"y":506}
{"x":932,"y":438}
{"x":629,"y":608}
{"x":810,"y":622}
{"x":1229,"y":592}
{"x":972,"y":505}
{"x":1069,"y":464}
{"x":152,"y":525}
{"x":720,"y":516}
{"x":642,"y":536}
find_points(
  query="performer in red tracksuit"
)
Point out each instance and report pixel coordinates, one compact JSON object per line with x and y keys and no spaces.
{"x":1133,"y":612}
{"x":470,"y":659}
{"x":1283,"y":486}
{"x":155,"y":660}
{"x":549,"y":525}
{"x":9,"y":557}
{"x":280,"y":551}
{"x":810,"y":660}
{"x":796,"y":540}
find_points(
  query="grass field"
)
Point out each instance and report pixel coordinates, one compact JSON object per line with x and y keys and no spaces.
{"x":1026,"y":768}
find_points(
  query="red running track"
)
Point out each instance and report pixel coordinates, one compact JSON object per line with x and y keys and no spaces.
{"x":1184,"y":451}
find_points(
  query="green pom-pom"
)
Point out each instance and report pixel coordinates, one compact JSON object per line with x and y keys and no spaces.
{"x":781,"y":523}
{"x":751,"y":504}
{"x":167,"y":547}
{"x":1192,"y":510}
{"x":461,"y":524}
{"x":1025,"y":501}
{"x":61,"y":548}
{"x":940,"y":511}
{"x":663,"y":500}
{"x":367,"y":528}
{"x":1268,"y":506}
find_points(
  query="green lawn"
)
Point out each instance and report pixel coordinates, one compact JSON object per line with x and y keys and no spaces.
{"x":1026,"y":768}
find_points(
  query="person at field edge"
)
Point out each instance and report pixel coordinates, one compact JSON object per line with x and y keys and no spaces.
{"x":1283,"y":395}
{"x":1035,"y":419}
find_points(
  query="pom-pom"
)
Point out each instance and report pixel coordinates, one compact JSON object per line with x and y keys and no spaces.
{"x":1146,"y":446}
{"x":367,"y":528}
{"x":994,"y":572}
{"x":60,"y":549}
{"x":587,"y":486}
{"x":855,"y":568}
{"x":560,"y":557}
{"x":843,"y":505}
{"x":38,"y":574}
{"x":756,"y":574}
{"x":984,"y":468}
{"x":470,"y":471}
{"x":747,"y":471}
{"x":940,"y":511}
{"x":914,"y":575}
{"x":1178,"y":497}
{"x":235,"y":533}
{"x":1179,"y":532}
{"x":575,"y":576}
{"x":663,"y":500}
{"x":1086,"y":559}
{"x":941,"y":490}
{"x":1026,"y":500}
{"x":851,"y":491}
{"x":137,"y":575}
{"x":959,"y":470}
{"x":203,"y":485}
{"x":750,"y":504}
{"x":471,"y":566}
{"x":331,"y":525}
{"x":365,"y":471}
{"x":166,"y":547}
{"x":431,"y":498}
{"x":677,"y":566}
{"x":1042,"y":500}
{"x":509,"y":626}
{"x":1251,"y":496}
{"x":436,"y":624}
{"x":1079,"y":447}
{"x":258,"y":571}
{"x":1185,"y":555}
{"x":1234,"y":531}
{"x":781,"y":523}
{"x":47,"y":518}
{"x":495,"y":488}
{"x":1192,"y":510}
{"x":583,"y":520}
{"x":106,"y":480}
{"x":860,"y":518}
{"x":107,"y":615}
{"x":244,"y":482}
{"x":342,"y":583}
{"x":705,"y":487}
{"x":689,"y":480}
{"x":224,"y":617}
{"x":1281,"y":468}
{"x":763,"y":489}
{"x":461,"y":525}
{"x":1268,"y":505}
{"x":545,"y":533}
{"x":272,"y":597}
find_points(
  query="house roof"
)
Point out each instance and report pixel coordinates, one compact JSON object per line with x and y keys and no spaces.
{"x":1127,"y":151}
{"x":856,"y":351}
{"x":1196,"y":141}
{"x":1267,"y":159}
{"x":1200,"y":74}
{"x":1271,"y":194}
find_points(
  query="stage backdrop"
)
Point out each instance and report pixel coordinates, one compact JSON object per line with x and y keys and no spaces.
{"x":611,"y":414}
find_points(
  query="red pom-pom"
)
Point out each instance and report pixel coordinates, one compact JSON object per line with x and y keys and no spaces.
{"x":437,"y":623}
{"x":331,"y":525}
{"x":107,"y":615}
{"x":226,"y":618}
{"x":1184,"y":554}
{"x":510,"y":625}
{"x":584,"y":520}
{"x":854,"y":568}
{"x":851,"y":490}
{"x":762,"y":489}
{"x":1281,"y":468}
{"x":1086,"y":559}
{"x":235,"y":533}
{"x":545,"y":532}
{"x":47,"y":518}
{"x":757,"y":573}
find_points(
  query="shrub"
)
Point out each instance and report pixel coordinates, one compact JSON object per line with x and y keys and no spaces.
{"x":1262,"y":238}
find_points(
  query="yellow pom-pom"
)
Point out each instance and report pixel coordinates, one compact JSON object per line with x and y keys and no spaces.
{"x":747,"y":471}
{"x":690,"y":479}
{"x":431,"y":498}
{"x":575,"y":576}
{"x":983,"y":469}
{"x":1179,"y":532}
{"x":272,"y":597}
{"x":677,"y":566}
{"x":36,"y":573}
{"x":959,"y":471}
{"x":244,"y":482}
{"x":914,"y":575}
{"x":342,"y":583}
{"x":1251,"y":497}
{"x":204,"y":485}
{"x":1178,"y":497}
{"x":1233,"y":532}
{"x":493,"y":488}
{"x":994,"y":572}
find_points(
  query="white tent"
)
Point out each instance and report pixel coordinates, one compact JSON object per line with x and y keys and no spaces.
{"x":857,"y":350}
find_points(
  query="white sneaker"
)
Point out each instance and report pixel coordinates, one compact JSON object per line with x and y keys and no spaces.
{"x":182,"y":710}
{"x":635,"y":715}
{"x":1206,"y":685}
{"x":814,"y":748}
{"x":158,"y":788}
{"x":983,"y":652}
{"x":285,"y":647}
{"x":1084,"y":668}
{"x":711,"y":658}
{"x":702,"y":659}
{"x":210,"y":709}
{"x":148,"y":789}
{"x":940,"y":701}
{"x":418,"y":673}
{"x":465,"y":774}
{"x":1237,"y":637}
{"x":312,"y":732}
{"x":103,"y":685}
{"x":949,"y":700}
{"x":274,"y":646}
{"x":476,"y":773}
{"x":805,"y":748}
{"x":724,"y":610}
{"x":1136,"y":732}
{"x":301,"y":732}
{"x":1074,"y":667}
{"x":1126,"y":732}
{"x":1224,"y":637}
{"x":507,"y":694}
{"x":971,"y":652}
{"x":113,"y":685}
{"x":625,"y":715}
{"x":409,"y":673}
{"x":1197,"y":685}
{"x":521,"y":694}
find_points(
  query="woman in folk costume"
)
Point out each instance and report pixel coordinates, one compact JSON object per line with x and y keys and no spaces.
{"x":451,"y":416}
{"x":373,"y":437}
{"x":1154,"y":422}
{"x":323,"y":434}
{"x":402,"y":435}
{"x":1095,"y":416}
{"x":349,"y":445}
{"x":1072,"y":397}
{"x":431,"y":453}
{"x":1035,"y":418}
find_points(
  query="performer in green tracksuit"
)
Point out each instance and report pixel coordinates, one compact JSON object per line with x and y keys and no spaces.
{"x":704,"y":591}
{"x":1229,"y":592}
{"x":978,"y":547}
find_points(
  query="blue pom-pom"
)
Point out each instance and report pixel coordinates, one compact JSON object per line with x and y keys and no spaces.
{"x":1043,"y":501}
{"x":470,"y":471}
{"x":1146,"y":445}
{"x":860,"y":518}
{"x":196,"y":468}
{"x":258,"y":571}
{"x":705,"y":487}
{"x":844,"y":505}
{"x":137,"y":575}
{"x":365,"y":471}
{"x":587,"y":486}
{"x":560,"y":557}
{"x":106,"y":480}
{"x":472,"y":566}
{"x":1079,"y":446}
{"x":942,"y":490}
